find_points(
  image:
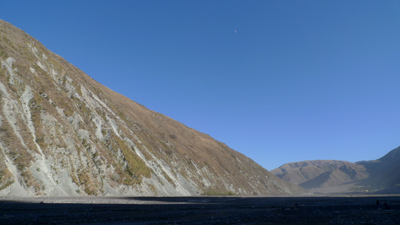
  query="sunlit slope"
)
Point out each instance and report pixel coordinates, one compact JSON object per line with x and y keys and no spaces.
{"x":62,"y":133}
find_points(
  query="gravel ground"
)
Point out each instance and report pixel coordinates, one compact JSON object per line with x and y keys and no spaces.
{"x":201,"y":210}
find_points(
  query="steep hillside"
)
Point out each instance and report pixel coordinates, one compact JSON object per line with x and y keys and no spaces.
{"x":62,"y":133}
{"x":334,"y":175}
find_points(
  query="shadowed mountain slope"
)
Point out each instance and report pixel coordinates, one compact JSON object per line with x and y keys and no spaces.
{"x":334,"y":175}
{"x":320,"y":173}
{"x":385,"y":171}
{"x":63,"y":134}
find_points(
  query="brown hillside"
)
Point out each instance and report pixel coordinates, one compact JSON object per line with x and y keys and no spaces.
{"x":63,"y":133}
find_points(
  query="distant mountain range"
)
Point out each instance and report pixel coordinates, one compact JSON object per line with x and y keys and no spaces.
{"x":64,"y":134}
{"x":381,"y":175}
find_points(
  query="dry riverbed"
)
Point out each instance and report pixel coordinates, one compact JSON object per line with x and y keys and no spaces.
{"x":201,"y":210}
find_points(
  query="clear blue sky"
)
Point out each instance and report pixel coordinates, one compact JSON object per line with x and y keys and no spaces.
{"x":279,"y":81}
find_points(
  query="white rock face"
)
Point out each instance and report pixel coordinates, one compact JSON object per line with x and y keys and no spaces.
{"x":8,"y":65}
{"x":55,"y":169}
{"x":11,"y":110}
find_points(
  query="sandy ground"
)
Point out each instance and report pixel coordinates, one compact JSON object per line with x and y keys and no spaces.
{"x":201,"y":210}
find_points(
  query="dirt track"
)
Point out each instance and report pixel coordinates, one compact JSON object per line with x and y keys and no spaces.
{"x":201,"y":210}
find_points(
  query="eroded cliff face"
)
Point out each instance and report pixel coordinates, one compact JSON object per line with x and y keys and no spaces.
{"x":64,"y":134}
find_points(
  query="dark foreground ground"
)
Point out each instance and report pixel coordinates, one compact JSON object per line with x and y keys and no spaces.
{"x":201,"y":210}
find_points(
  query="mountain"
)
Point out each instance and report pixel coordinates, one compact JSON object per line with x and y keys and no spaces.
{"x":385,"y":171}
{"x":64,"y":134}
{"x":321,"y":173}
{"x":335,"y":175}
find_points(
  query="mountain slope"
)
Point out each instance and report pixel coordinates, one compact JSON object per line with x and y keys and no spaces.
{"x":334,"y":175}
{"x":385,"y":171}
{"x":320,"y":173}
{"x":62,"y":133}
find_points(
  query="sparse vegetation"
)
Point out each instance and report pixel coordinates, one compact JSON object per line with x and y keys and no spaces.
{"x":30,"y":181}
{"x":8,"y":43}
{"x":16,"y":152}
{"x":216,"y":192}
{"x":153,"y":189}
{"x":86,"y":181}
{"x":169,"y":179}
{"x":6,"y":185}
{"x":3,"y":54}
{"x":136,"y":167}
{"x":5,"y":178}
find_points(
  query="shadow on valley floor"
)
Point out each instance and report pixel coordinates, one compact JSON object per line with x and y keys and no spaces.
{"x":201,"y":210}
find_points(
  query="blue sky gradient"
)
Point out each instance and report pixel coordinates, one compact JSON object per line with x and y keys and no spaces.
{"x":279,"y":81}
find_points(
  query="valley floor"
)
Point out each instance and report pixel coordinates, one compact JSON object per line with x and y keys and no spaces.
{"x":201,"y":210}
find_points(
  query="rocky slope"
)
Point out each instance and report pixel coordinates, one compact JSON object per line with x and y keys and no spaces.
{"x":335,"y":175}
{"x":64,"y":134}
